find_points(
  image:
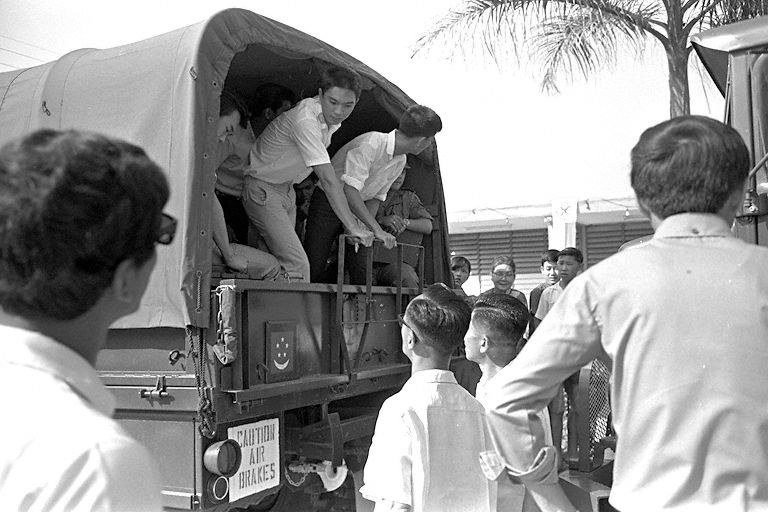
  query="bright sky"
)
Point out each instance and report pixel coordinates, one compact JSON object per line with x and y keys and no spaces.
{"x":504,"y":143}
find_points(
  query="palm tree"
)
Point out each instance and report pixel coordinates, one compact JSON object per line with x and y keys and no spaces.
{"x":578,"y":37}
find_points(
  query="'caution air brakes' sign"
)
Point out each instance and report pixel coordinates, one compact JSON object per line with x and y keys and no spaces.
{"x":260,"y":467}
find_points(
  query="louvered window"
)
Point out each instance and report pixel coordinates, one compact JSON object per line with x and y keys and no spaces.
{"x":525,"y":246}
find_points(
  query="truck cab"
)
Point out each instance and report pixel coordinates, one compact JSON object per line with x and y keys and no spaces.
{"x":736,"y":57}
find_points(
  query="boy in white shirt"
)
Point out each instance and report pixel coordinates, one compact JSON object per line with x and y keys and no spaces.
{"x":494,"y":339}
{"x":429,"y":437}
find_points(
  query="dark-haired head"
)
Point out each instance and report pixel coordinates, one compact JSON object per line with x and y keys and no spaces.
{"x":503,"y":260}
{"x":272,"y":96}
{"x":550,"y":256}
{"x":420,"y":121}
{"x":573,"y":252}
{"x":440,"y":318}
{"x":689,"y":164}
{"x":342,"y":78}
{"x":460,"y":262}
{"x":503,"y":316}
{"x":73,"y":207}
{"x":230,"y":102}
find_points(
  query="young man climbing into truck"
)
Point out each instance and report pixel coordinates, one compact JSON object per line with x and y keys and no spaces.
{"x":235,"y":139}
{"x":80,"y":215}
{"x":286,"y":152}
{"x":232,"y":153}
{"x":367,"y":166}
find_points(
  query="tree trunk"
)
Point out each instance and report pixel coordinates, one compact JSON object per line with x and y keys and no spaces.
{"x":677,"y":61}
{"x":679,"y":92}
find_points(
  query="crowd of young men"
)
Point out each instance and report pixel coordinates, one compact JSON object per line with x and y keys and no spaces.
{"x":262,"y":164}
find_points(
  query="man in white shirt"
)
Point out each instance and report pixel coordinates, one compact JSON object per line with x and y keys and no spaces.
{"x":430,"y":437}
{"x":683,"y":319}
{"x":367,"y":166}
{"x":235,"y":141}
{"x":286,"y":152}
{"x":233,"y":152}
{"x":80,"y":215}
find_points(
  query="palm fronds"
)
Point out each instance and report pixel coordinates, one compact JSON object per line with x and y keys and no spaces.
{"x":579,"y":44}
{"x":487,"y":23}
{"x":502,"y":27}
{"x":730,"y":11}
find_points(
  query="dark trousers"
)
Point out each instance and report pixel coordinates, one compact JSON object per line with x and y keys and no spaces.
{"x":323,"y":228}
{"x":235,"y":217}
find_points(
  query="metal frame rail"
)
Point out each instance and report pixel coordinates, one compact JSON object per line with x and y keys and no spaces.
{"x":351,"y":369}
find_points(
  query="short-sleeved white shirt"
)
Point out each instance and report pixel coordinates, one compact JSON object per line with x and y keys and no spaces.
{"x":426,"y":448}
{"x":548,"y":298}
{"x":291,"y":144}
{"x":61,"y":449}
{"x":368,"y":164}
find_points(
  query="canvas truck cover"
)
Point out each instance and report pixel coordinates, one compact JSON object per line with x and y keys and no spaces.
{"x":163,"y":94}
{"x":713,"y":46}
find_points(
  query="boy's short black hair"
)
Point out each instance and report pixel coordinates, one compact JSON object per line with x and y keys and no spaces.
{"x":550,"y":256}
{"x":504,"y":315}
{"x":688,"y":164}
{"x":73,"y":206}
{"x":503,"y":260}
{"x":440,"y":318}
{"x":271,"y":96}
{"x":461,"y":262}
{"x":573,"y":252}
{"x":342,"y":78}
{"x":420,"y":121}
{"x":231,"y":101}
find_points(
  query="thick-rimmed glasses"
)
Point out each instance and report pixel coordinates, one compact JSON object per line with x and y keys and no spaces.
{"x":167,"y":229}
{"x":402,"y":322}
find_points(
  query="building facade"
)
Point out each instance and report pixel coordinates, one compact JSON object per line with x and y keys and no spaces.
{"x":597,"y":227}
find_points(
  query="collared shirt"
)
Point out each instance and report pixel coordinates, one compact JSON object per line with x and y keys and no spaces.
{"x":291,"y":144}
{"x":403,"y":203}
{"x":232,"y":159}
{"x":407,"y":205}
{"x":61,"y":450}
{"x":548,"y":298}
{"x":367,"y":164}
{"x":426,"y":448}
{"x":684,"y":318}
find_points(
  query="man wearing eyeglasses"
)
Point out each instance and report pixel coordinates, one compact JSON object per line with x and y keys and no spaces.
{"x":80,"y":215}
{"x":503,"y":277}
{"x":431,"y":438}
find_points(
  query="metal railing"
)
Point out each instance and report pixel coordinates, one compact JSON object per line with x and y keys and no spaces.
{"x":350,"y":367}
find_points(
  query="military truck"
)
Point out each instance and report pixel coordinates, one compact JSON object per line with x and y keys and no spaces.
{"x":736,"y":57}
{"x":243,"y":389}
